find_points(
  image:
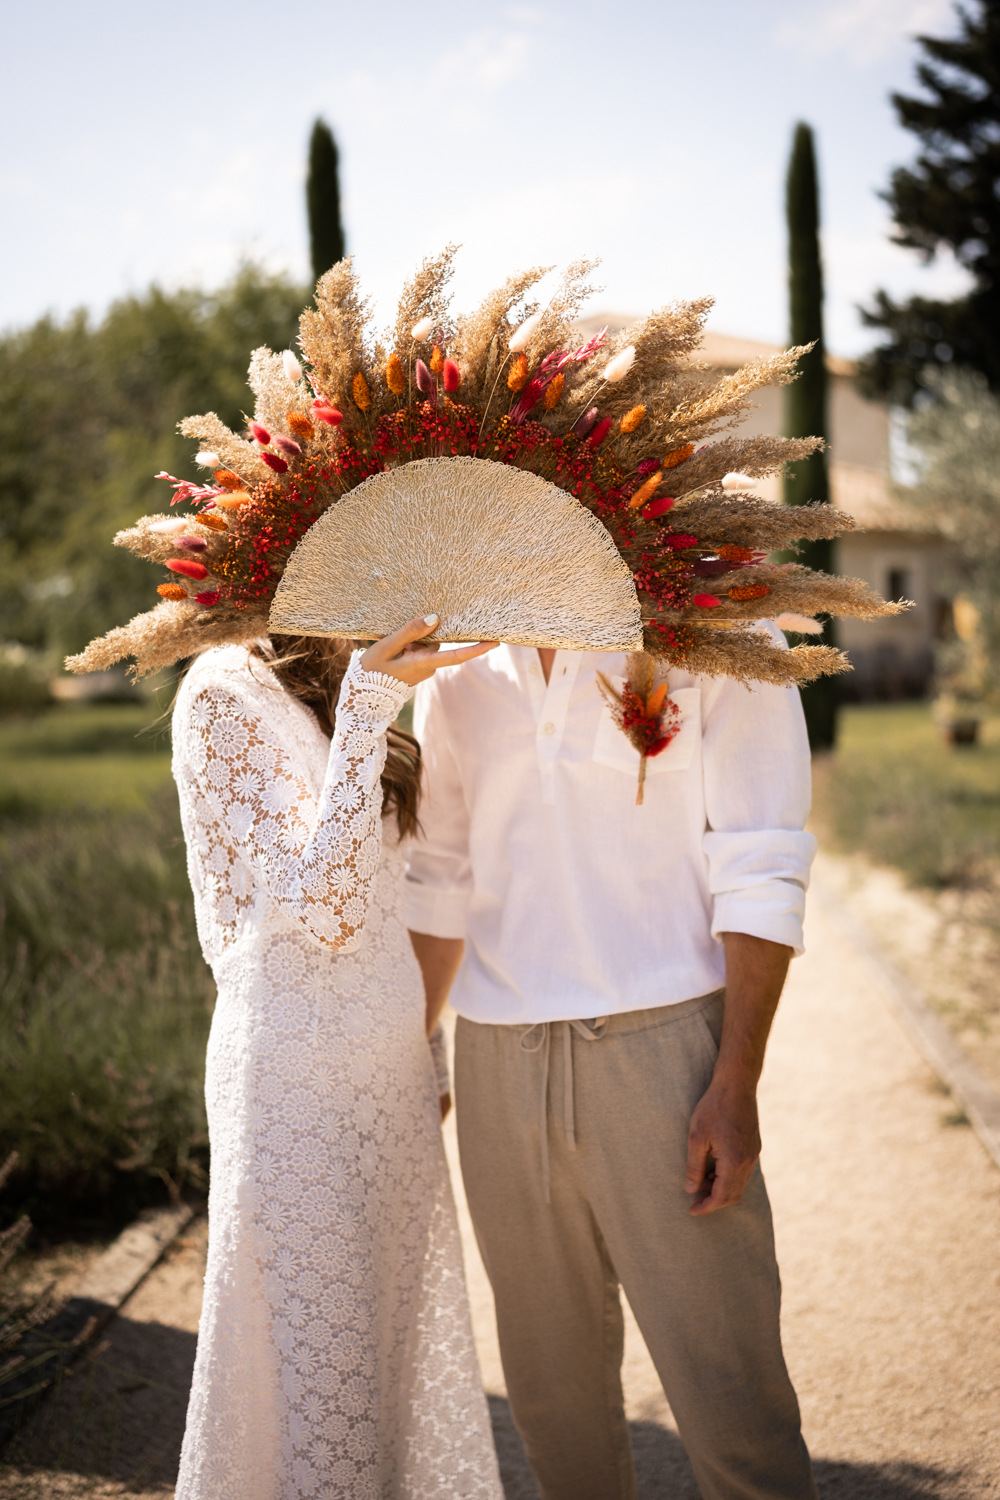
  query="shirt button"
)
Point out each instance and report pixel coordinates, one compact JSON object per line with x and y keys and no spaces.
{"x":535,"y":669}
{"x":548,"y":728}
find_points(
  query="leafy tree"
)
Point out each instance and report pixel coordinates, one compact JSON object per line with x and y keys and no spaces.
{"x":947,"y":201}
{"x":88,"y":415}
{"x":806,"y":398}
{"x":326,"y":232}
{"x":955,"y":440}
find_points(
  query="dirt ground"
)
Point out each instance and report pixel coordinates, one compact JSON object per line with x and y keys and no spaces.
{"x":887,"y":1212}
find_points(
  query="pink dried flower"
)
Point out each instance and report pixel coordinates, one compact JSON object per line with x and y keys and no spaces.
{"x":586,"y":422}
{"x":289,"y":446}
{"x":191,"y":543}
{"x":327,"y":413}
{"x":424,"y":378}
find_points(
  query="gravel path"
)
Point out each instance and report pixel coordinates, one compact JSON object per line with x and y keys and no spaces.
{"x":888,"y":1221}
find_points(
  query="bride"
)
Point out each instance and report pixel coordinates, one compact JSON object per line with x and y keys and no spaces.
{"x":335,"y":1355}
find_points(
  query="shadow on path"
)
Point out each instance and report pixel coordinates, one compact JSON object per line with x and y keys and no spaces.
{"x":664,"y":1473}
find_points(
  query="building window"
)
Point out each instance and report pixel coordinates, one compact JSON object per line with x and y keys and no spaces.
{"x":898,"y":586}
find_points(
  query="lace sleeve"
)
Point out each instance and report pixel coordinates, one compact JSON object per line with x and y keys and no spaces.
{"x":315,"y":858}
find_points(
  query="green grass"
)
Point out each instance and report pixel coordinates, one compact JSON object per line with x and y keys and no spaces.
{"x":896,"y":791}
{"x":105,"y":1001}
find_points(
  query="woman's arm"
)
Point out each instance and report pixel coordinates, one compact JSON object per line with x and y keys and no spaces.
{"x":315,"y":857}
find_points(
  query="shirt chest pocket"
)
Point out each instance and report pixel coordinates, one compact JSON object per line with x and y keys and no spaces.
{"x":612,"y":749}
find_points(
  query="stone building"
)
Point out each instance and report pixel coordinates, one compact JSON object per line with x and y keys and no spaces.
{"x":892,"y":658}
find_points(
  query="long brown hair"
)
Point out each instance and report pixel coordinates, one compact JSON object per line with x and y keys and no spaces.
{"x":311,"y":668}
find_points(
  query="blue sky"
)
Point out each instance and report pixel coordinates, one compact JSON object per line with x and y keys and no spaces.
{"x":162,"y":142}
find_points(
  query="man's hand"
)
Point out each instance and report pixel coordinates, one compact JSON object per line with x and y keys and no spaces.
{"x":724,"y":1138}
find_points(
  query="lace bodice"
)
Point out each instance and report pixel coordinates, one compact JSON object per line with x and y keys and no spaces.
{"x":263,"y":835}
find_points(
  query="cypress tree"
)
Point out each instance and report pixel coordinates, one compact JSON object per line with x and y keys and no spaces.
{"x":806,"y":398}
{"x":326,"y":233}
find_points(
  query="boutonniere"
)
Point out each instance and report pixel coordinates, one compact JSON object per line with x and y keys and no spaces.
{"x":643,"y":711}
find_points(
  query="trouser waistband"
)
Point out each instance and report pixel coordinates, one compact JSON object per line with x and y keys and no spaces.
{"x":538,"y":1038}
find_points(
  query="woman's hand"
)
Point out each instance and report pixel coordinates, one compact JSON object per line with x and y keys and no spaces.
{"x":405,"y":656}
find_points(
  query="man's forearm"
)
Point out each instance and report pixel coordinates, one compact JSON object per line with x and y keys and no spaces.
{"x":439,"y":959}
{"x":724,"y":1139}
{"x":755,"y":976}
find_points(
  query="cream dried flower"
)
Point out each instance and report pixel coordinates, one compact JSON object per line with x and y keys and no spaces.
{"x":616,"y":369}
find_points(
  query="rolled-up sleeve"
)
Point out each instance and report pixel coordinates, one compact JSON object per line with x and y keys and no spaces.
{"x":439,"y":877}
{"x":757,"y":796}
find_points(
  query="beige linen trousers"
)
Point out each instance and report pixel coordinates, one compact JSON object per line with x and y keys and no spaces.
{"x":573,"y":1139}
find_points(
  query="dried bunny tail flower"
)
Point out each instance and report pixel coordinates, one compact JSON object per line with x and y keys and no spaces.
{"x":733,"y":481}
{"x":360,"y":392}
{"x":236,"y":452}
{"x":617,"y":368}
{"x":632,"y":418}
{"x":451,"y":376}
{"x":518,"y":377}
{"x":395,"y":379}
{"x":206,"y":459}
{"x":423,"y":330}
{"x":521,"y":337}
{"x":424,"y":378}
{"x":802,"y":624}
{"x":551,"y":398}
{"x":292,"y":368}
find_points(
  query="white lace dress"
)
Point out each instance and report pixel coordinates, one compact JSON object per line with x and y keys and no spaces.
{"x":335,"y":1355}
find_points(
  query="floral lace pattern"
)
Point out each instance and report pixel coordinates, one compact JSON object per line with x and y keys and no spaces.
{"x":335,"y":1356}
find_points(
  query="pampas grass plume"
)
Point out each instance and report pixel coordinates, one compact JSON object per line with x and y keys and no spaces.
{"x":207,"y":460}
{"x":616,"y":369}
{"x":291,"y":365}
{"x":422,"y":330}
{"x":521,"y":337}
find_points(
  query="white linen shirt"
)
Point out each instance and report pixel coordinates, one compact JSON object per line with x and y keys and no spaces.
{"x":573,"y":901}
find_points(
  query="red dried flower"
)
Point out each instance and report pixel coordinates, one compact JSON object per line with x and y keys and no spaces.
{"x":680,"y":541}
{"x":274,"y":462}
{"x":452,"y":375}
{"x":706,"y":601}
{"x":600,"y":432}
{"x":658,"y":508}
{"x":208,"y":599}
{"x":187,"y":567}
{"x":327,"y":413}
{"x":260,"y":433}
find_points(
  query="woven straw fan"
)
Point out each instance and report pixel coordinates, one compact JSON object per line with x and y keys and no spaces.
{"x":497,"y":553}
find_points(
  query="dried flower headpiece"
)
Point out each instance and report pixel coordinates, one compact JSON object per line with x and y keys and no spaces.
{"x":619,"y":424}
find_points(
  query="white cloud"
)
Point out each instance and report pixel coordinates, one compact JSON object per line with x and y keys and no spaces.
{"x":867,"y":30}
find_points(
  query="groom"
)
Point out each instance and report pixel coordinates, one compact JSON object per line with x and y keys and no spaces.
{"x":616,"y":969}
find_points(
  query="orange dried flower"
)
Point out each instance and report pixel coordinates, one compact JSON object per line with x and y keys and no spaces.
{"x":301,"y":425}
{"x":437,"y":361}
{"x":645,"y":491}
{"x":750,"y":591}
{"x":655,"y":700}
{"x":171,"y":591}
{"x":732,"y":553}
{"x":555,"y":390}
{"x":518,"y":377}
{"x":233,"y":501}
{"x":394,"y":377}
{"x":227,"y":479}
{"x":359,"y":390}
{"x":214,"y":523}
{"x":678,"y":456}
{"x":631,"y":419}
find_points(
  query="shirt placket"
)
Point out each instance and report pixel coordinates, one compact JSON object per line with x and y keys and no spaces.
{"x":551,"y":705}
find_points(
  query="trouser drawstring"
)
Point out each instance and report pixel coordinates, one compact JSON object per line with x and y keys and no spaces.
{"x":590,"y":1033}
